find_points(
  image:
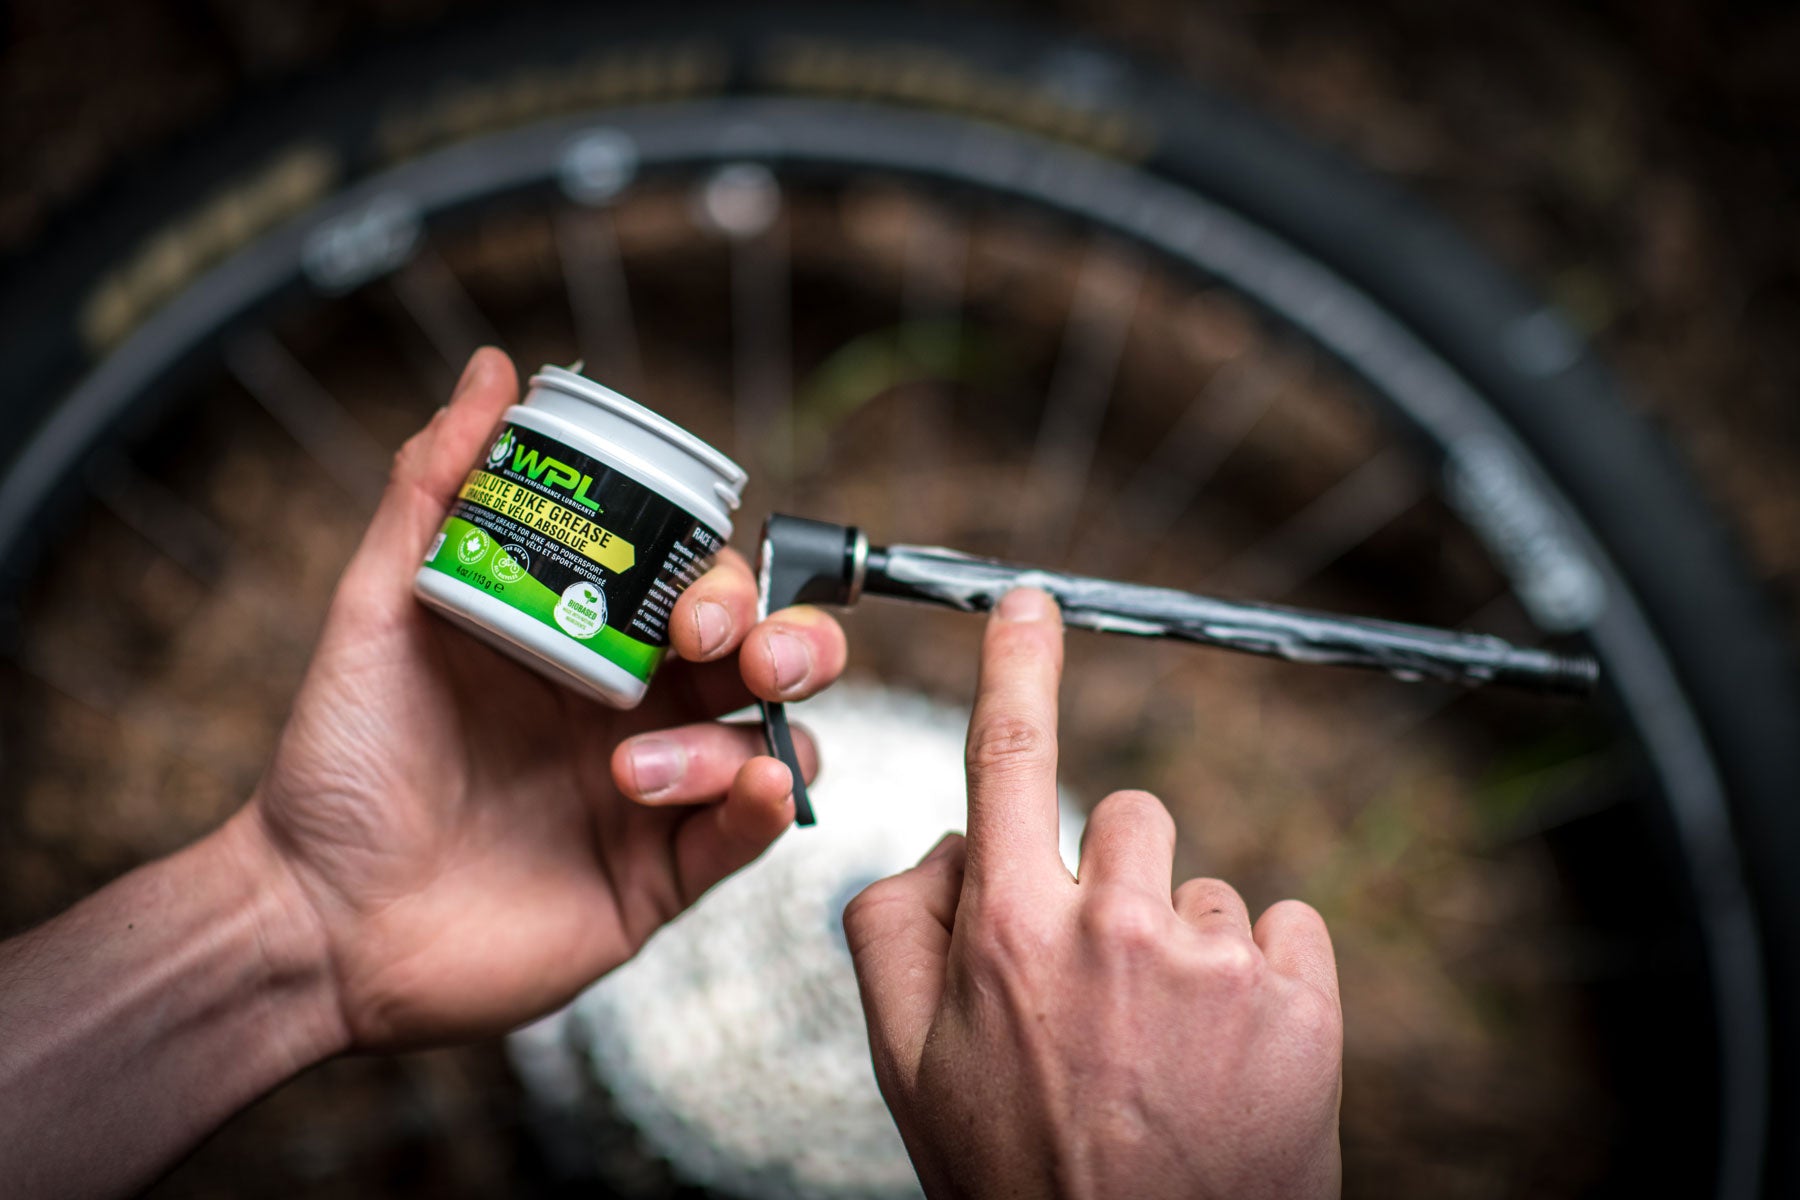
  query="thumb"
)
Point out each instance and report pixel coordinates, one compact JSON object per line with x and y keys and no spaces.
{"x":899,"y":934}
{"x":431,"y":466}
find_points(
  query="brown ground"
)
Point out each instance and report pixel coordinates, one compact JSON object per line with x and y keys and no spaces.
{"x":1625,"y":163}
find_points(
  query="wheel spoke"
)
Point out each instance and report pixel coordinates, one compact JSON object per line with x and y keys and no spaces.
{"x":188,"y":537}
{"x":152,"y":716}
{"x":1342,"y":518}
{"x":762,"y":356}
{"x":436,"y":299}
{"x":587,"y":245}
{"x":1411,"y":709}
{"x":1177,"y":471}
{"x":310,"y":415}
{"x":933,"y":283}
{"x":1093,"y":342}
{"x":743,"y":201}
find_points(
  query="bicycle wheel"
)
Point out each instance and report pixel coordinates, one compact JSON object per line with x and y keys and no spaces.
{"x":1026,"y":298}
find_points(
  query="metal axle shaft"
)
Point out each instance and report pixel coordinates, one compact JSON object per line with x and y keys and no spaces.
{"x":806,"y":561}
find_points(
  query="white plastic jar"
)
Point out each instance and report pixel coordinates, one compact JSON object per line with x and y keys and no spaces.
{"x":568,"y":546}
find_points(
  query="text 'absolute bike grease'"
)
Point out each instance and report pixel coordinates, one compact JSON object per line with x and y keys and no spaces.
{"x":569,"y":544}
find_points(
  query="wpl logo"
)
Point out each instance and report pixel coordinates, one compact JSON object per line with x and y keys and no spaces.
{"x":502,"y":449}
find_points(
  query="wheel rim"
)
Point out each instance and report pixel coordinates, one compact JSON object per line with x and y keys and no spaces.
{"x":1562,"y":584}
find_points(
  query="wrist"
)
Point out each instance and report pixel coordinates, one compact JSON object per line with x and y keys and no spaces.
{"x":143,"y":1017}
{"x":294,"y":964}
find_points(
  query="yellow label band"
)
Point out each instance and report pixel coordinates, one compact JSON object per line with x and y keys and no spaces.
{"x":553,"y":520}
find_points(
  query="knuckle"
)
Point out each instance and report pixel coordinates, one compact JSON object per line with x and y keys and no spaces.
{"x":363,"y":609}
{"x":1124,"y":924}
{"x":1006,"y":743}
{"x":869,"y":910}
{"x":1316,"y":1015}
{"x":410,"y":458}
{"x":1006,"y":935}
{"x":1231,"y":963}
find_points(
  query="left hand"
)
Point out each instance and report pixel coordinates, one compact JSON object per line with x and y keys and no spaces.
{"x":470,"y":844}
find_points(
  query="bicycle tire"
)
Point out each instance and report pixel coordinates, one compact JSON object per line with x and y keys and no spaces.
{"x":1728,"y":664}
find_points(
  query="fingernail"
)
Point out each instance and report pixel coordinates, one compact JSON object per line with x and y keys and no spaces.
{"x":712,"y":625}
{"x":791,"y":657}
{"x":657,"y":765}
{"x":1024,"y":604}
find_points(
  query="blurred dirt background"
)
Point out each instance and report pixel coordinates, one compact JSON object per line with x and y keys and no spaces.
{"x":1637,"y":162}
{"x":1638,"y":159}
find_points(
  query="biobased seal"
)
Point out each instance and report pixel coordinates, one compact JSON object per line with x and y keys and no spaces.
{"x":571,"y":539}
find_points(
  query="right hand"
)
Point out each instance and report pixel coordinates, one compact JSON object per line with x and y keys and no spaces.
{"x":1038,"y":1035}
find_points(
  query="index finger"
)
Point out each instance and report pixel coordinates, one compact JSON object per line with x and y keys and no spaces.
{"x":715,"y":612}
{"x":1011,"y":754}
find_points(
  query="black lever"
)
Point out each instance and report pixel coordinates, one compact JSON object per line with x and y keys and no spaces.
{"x":803,"y":562}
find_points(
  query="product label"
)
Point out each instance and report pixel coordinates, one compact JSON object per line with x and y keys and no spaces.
{"x":575,"y":544}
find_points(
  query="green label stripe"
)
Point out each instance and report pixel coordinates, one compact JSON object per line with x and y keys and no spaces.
{"x":532,"y":598}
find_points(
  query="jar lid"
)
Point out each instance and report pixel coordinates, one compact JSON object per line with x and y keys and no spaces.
{"x":732,"y":477}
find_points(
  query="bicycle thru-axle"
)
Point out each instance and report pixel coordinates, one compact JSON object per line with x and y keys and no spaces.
{"x":814,"y":562}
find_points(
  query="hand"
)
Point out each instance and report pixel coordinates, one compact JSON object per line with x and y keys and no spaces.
{"x":471,"y":844}
{"x":1037,"y":1035}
